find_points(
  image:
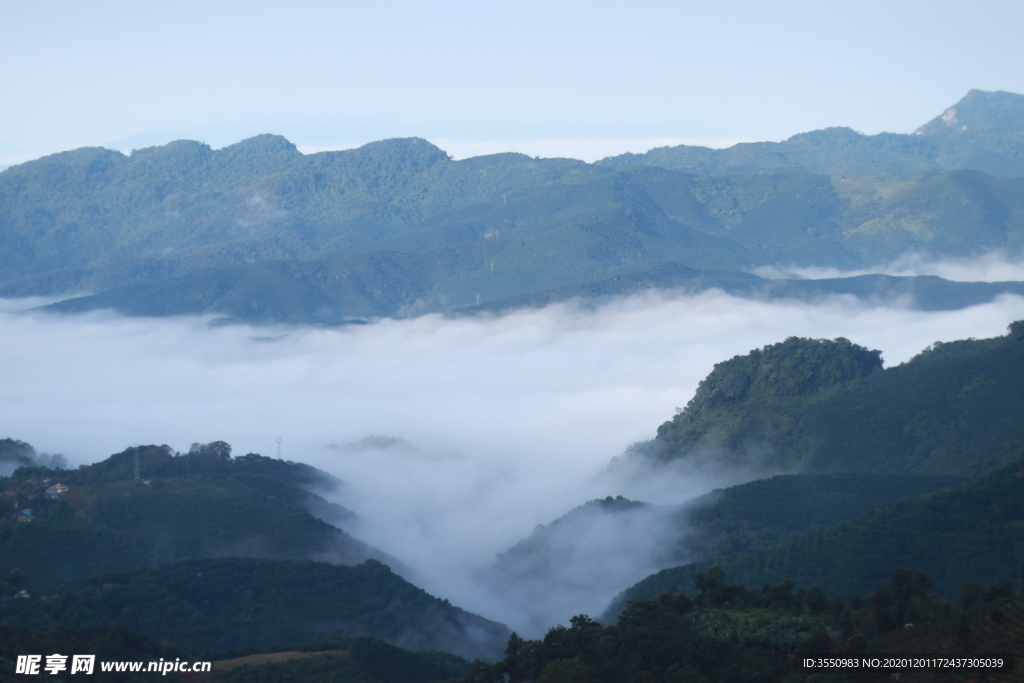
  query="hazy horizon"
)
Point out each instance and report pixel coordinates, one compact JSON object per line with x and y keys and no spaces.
{"x":484,"y":76}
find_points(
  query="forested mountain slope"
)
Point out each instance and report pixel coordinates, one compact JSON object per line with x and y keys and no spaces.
{"x":972,"y":532}
{"x":227,"y":604}
{"x":984,"y":132}
{"x":765,"y":511}
{"x":820,"y":405}
{"x":728,"y":632}
{"x":398,"y":228}
{"x":200,"y":504}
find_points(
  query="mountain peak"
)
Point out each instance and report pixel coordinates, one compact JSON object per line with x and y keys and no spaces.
{"x":264,"y":144}
{"x":979,"y":110}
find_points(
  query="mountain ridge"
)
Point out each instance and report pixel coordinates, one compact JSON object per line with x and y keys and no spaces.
{"x":512,"y":226}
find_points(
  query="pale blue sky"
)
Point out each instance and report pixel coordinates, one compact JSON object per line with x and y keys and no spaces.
{"x":572,"y":78}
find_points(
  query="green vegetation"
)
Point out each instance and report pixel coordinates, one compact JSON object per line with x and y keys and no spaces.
{"x":230,"y":604}
{"x":351,"y":660}
{"x":749,"y":398}
{"x":970,"y":532}
{"x":764,"y":512}
{"x":259,"y":232}
{"x":829,"y":406}
{"x":981,"y":132}
{"x":731,"y":633}
{"x":108,"y":551}
{"x":331,"y":658}
{"x":203,"y":503}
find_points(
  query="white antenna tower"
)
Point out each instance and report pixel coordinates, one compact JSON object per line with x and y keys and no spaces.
{"x":278,"y":448}
{"x":504,"y":198}
{"x":478,"y":298}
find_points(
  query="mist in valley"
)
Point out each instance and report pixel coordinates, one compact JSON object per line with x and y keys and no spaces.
{"x":993,"y":266}
{"x":454,"y":437}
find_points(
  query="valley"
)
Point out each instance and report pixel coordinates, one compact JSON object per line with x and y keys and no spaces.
{"x":474,"y":365}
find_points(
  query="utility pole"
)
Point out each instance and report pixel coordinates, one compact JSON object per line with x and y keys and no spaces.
{"x":278,"y":448}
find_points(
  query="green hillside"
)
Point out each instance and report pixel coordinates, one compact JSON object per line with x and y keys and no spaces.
{"x":258,"y":231}
{"x":819,"y":405}
{"x":763,"y":512}
{"x":983,"y":132}
{"x":352,"y":660}
{"x":724,"y":632}
{"x":346,"y":289}
{"x":203,"y":503}
{"x":973,"y":532}
{"x":224,"y":605}
{"x":333,"y":658}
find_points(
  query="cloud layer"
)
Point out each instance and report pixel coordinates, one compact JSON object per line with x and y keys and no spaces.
{"x":507,"y":422}
{"x":995,"y":266}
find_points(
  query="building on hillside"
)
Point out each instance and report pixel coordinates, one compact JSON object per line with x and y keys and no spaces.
{"x":56,"y":490}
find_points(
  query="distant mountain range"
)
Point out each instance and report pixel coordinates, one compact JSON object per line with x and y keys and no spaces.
{"x":982,"y":132}
{"x":257,"y":231}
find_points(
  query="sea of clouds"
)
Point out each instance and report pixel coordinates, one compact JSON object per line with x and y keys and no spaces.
{"x":503,"y":423}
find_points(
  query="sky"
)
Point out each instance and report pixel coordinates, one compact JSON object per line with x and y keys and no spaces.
{"x":580,"y":79}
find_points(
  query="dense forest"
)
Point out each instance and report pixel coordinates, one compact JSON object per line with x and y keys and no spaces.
{"x":207,"y":552}
{"x":218,"y":606}
{"x":196,"y":504}
{"x":729,"y":632}
{"x":258,"y":231}
{"x":820,"y":405}
{"x":970,"y":532}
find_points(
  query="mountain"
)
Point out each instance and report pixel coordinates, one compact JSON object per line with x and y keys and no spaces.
{"x":982,"y":132}
{"x":123,"y":541}
{"x":578,"y":562}
{"x":727,"y":632}
{"x":200,"y":504}
{"x":924,"y":461}
{"x":585,"y":557}
{"x":970,"y":532}
{"x":221,"y":605}
{"x":765,"y":511}
{"x":259,"y":232}
{"x":347,"y":289}
{"x":15,"y":454}
{"x":820,"y":405}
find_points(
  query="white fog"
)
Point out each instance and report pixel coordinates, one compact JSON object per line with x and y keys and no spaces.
{"x":507,"y":422}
